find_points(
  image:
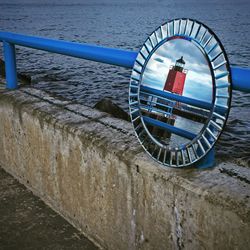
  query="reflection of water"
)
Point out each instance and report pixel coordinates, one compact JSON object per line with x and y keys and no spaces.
{"x":186,"y":124}
{"x":125,"y":25}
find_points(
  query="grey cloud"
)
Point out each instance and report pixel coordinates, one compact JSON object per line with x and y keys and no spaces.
{"x":159,"y":60}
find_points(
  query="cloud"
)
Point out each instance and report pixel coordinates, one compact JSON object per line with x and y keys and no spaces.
{"x":158,"y":59}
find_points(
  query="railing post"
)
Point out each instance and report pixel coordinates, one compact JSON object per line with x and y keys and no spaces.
{"x":208,"y":161}
{"x":10,"y":65}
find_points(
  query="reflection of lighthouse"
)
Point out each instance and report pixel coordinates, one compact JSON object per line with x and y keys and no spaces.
{"x":176,"y":78}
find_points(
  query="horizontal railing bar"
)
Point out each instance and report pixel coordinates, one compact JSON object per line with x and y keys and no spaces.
{"x":183,"y":99}
{"x":178,"y":98}
{"x":169,"y":128}
{"x":85,"y":51}
{"x":123,"y":58}
{"x":145,"y":107}
{"x":241,"y":79}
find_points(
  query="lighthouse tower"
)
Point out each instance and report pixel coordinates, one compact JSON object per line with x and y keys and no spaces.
{"x":176,"y":78}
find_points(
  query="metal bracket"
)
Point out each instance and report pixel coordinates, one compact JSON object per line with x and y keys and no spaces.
{"x":208,"y":161}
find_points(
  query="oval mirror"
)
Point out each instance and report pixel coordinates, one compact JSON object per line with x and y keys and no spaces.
{"x":180,"y":92}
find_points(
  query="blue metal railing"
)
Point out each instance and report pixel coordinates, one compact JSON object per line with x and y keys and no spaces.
{"x":123,"y":58}
{"x":85,"y":51}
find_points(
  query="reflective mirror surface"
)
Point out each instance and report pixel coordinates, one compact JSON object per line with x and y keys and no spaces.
{"x":180,"y":92}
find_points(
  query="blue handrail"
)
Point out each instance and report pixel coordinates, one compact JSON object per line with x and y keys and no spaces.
{"x":123,"y":58}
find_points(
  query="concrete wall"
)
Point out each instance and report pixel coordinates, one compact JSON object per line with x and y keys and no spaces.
{"x":90,"y":168}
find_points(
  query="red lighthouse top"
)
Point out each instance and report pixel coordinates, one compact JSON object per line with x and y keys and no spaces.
{"x":176,"y":78}
{"x":179,"y":65}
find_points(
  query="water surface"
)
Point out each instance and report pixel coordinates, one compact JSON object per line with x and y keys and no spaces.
{"x":126,"y":25}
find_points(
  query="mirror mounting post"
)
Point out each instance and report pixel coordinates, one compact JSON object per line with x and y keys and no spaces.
{"x":208,"y":161}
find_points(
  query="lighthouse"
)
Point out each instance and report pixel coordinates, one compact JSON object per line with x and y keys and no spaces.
{"x":176,"y":77}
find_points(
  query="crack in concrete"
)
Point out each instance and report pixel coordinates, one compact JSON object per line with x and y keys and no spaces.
{"x":232,"y":173}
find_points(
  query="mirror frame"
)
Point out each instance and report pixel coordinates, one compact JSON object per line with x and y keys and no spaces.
{"x":204,"y":141}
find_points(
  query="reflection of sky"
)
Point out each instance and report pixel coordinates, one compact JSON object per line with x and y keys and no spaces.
{"x":198,"y":82}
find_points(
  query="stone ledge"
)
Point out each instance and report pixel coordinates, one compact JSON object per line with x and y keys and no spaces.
{"x":90,"y":168}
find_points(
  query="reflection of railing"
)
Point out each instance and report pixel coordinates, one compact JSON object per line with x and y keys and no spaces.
{"x":182,"y":99}
{"x":155,"y":103}
{"x":168,"y":127}
{"x":117,"y":57}
{"x":205,"y":106}
{"x":159,"y":102}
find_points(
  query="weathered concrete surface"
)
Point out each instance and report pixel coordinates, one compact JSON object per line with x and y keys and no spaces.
{"x":90,"y":168}
{"x":27,"y":223}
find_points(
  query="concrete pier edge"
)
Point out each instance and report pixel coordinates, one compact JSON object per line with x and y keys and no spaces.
{"x":90,"y":168}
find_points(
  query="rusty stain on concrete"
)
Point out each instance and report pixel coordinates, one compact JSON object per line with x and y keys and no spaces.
{"x":90,"y":168}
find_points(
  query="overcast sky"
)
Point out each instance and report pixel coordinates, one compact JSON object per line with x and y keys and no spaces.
{"x":198,"y":82}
